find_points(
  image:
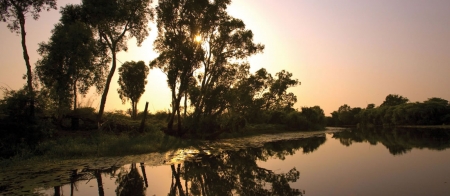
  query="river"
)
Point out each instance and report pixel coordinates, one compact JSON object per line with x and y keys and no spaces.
{"x":373,"y":161}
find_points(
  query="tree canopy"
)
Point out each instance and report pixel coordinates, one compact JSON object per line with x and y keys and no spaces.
{"x":132,"y":81}
{"x":203,"y":66}
{"x":13,"y":12}
{"x":116,"y":22}
{"x":71,"y":60}
{"x":393,"y":100}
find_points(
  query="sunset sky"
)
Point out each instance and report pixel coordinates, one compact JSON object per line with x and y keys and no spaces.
{"x":351,"y":52}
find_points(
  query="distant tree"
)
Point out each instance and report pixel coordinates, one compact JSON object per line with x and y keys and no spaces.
{"x":393,"y":100}
{"x":14,"y":12}
{"x":315,"y":117}
{"x":370,"y":106}
{"x":71,"y":61}
{"x":132,"y":81}
{"x":344,"y":114}
{"x":437,"y":100}
{"x":116,"y":22}
{"x":277,"y":97}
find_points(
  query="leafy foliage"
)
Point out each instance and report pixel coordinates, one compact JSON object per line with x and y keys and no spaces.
{"x":201,"y":68}
{"x":116,"y":22}
{"x":393,"y":100}
{"x":132,"y":81}
{"x":394,"y":111}
{"x":71,"y":61}
{"x":13,"y":12}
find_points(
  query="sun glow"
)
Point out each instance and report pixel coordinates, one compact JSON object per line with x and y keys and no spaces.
{"x":198,"y":38}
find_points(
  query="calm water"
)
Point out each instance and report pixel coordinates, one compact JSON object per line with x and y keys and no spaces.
{"x":369,"y":162}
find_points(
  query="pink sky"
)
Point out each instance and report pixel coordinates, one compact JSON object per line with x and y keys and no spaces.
{"x":343,"y":52}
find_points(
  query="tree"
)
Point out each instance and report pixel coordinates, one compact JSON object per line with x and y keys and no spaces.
{"x":437,"y":100}
{"x":278,"y":98}
{"x":116,"y":22}
{"x":393,"y":100}
{"x":370,"y":106}
{"x":13,"y":12}
{"x":226,"y":39}
{"x":71,"y":60}
{"x":132,"y":81}
{"x":183,"y":56}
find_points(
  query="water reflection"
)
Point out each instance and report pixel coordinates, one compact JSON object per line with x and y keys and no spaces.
{"x":130,"y":182}
{"x":228,"y":172}
{"x":397,"y":140}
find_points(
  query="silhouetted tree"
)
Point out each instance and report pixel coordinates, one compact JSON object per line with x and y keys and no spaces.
{"x":13,"y":12}
{"x":393,"y":100}
{"x":132,"y":81}
{"x":71,"y":61}
{"x":277,"y":97}
{"x":222,"y":38}
{"x":116,"y":22}
{"x":370,"y":106}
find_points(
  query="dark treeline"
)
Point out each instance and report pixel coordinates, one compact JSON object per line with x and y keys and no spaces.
{"x":394,"y":111}
{"x":202,"y":50}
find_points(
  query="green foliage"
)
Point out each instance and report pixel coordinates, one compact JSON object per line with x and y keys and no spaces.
{"x":132,"y":81}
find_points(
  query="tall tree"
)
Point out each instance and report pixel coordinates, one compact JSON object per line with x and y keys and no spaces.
{"x":14,"y":12}
{"x":72,"y":61}
{"x":116,"y":22}
{"x":132,"y":81}
{"x":199,"y":37}
{"x":180,"y":52}
{"x":226,"y":39}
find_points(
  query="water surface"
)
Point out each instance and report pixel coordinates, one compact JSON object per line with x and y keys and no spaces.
{"x":354,"y":162}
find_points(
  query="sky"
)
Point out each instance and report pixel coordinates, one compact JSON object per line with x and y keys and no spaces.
{"x":342,"y":51}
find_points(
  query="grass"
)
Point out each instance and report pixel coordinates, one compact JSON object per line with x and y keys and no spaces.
{"x":103,"y":144}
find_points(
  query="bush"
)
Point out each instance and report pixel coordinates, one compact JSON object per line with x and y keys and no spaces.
{"x":19,"y":129}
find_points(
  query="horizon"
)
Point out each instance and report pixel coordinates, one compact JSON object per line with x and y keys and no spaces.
{"x":346,"y":52}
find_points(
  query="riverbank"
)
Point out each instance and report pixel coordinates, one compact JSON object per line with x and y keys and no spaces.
{"x":48,"y":171}
{"x":68,"y":145}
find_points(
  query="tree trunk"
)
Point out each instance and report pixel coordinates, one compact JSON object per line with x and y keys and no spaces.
{"x":185,"y":103}
{"x":21,"y":17}
{"x":75,"y":95}
{"x":172,"y":115}
{"x":108,"y":82}
{"x":75,"y":119}
{"x":133,"y":110}
{"x":141,"y":129}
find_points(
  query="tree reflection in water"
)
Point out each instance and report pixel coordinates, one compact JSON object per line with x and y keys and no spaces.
{"x":397,"y":140}
{"x":236,"y":171}
{"x":229,"y":172}
{"x":130,"y":182}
